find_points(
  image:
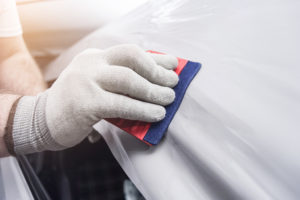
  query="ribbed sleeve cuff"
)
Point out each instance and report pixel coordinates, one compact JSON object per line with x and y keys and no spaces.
{"x":30,"y":131}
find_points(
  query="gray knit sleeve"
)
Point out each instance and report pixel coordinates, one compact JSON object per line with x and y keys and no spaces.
{"x":30,"y":132}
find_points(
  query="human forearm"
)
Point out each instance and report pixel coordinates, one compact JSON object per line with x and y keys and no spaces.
{"x":6,"y":102}
{"x":20,"y":74}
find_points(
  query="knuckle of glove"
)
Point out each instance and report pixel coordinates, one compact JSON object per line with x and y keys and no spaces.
{"x":130,"y":49}
{"x":125,"y":55}
{"x":118,"y":77}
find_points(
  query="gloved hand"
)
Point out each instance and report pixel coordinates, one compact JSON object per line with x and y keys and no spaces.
{"x":120,"y":82}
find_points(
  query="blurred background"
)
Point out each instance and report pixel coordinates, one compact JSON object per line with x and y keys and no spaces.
{"x":51,"y":26}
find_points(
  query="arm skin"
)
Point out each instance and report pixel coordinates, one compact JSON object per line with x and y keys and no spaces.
{"x":19,"y":75}
{"x":18,"y":71}
{"x":6,"y":102}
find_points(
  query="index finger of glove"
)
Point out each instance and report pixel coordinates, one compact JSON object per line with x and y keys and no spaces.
{"x":133,"y":57}
{"x":166,"y":61}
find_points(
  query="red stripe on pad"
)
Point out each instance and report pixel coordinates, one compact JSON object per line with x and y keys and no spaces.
{"x":135,"y":128}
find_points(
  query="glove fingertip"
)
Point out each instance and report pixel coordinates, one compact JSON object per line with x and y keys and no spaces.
{"x":157,"y":114}
{"x":172,"y":79}
{"x":172,"y":61}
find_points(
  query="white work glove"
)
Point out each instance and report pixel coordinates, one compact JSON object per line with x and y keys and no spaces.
{"x":120,"y":82}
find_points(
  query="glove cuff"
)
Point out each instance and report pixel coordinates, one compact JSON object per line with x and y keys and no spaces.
{"x":30,"y":131}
